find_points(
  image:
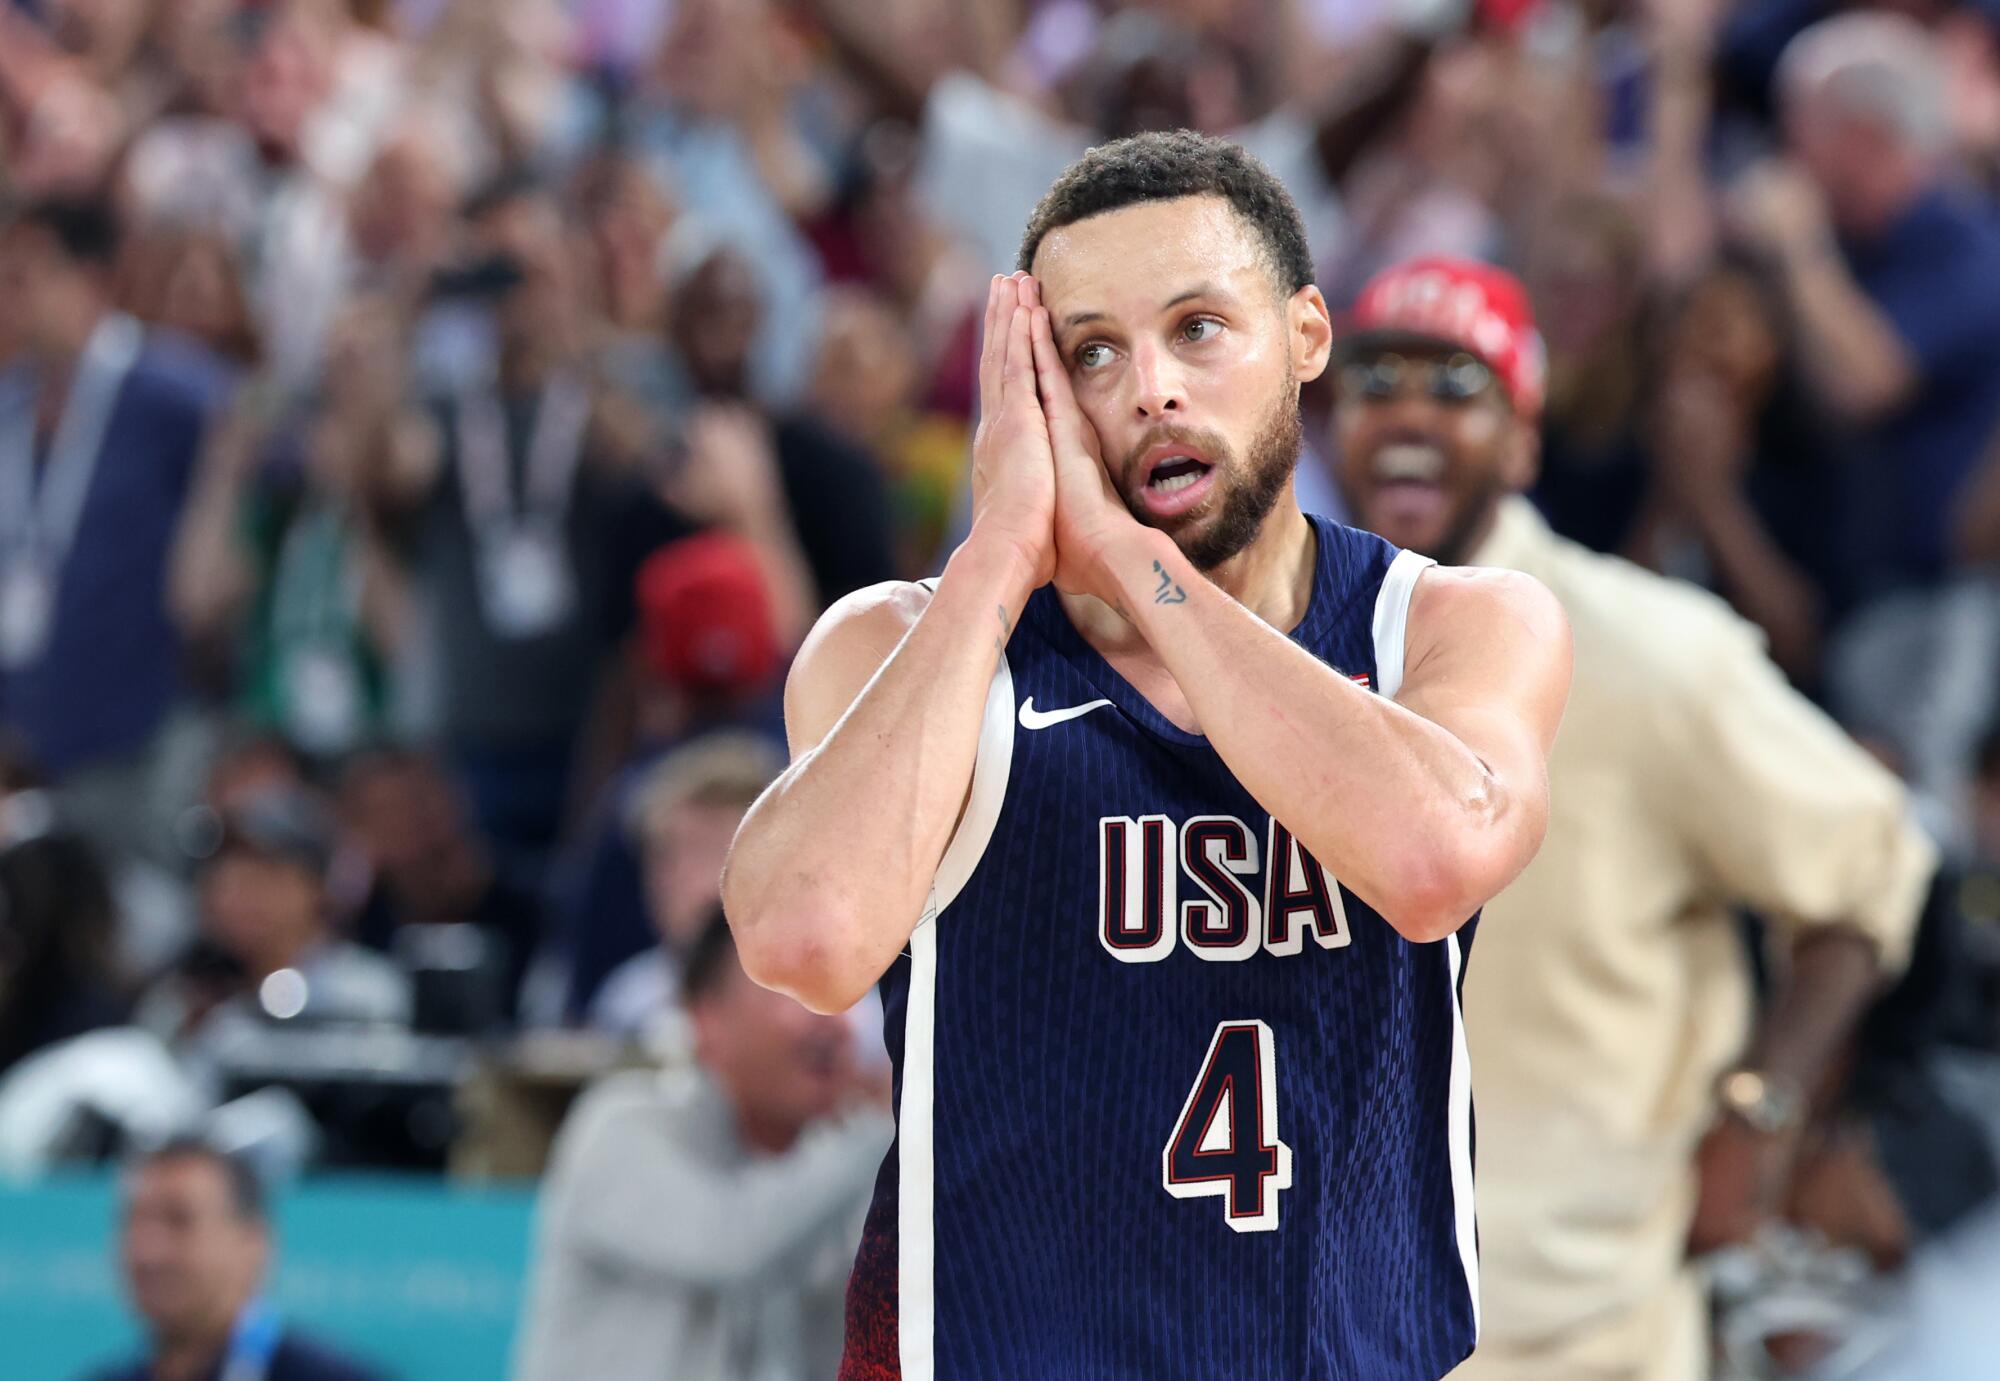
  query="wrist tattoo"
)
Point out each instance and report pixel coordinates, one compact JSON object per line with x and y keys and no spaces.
{"x":1006,"y":632}
{"x":1169,"y":592}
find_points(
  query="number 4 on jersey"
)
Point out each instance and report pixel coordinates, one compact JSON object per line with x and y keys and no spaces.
{"x":1226,"y":1142}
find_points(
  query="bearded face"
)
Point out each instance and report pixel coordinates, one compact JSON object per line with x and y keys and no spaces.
{"x":1186,"y":356}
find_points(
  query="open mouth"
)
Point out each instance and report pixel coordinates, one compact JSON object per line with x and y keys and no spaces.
{"x":1409,"y":462}
{"x":1409,"y":485}
{"x":1176,"y":480}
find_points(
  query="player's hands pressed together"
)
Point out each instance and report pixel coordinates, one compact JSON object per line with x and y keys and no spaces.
{"x":1013,"y":472}
{"x":1090,"y":519}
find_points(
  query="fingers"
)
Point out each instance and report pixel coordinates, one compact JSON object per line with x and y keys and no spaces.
{"x":993,"y":344}
{"x":1018,"y":375}
{"x":1052,"y":383}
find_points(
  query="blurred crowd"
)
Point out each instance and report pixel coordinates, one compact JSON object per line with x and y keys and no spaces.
{"x":428,"y":428}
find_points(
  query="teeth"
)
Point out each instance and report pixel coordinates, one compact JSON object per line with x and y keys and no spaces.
{"x":1174,"y":484}
{"x":1410,"y":461}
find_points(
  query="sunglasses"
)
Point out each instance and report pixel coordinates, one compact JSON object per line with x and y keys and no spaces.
{"x":1455,"y":380}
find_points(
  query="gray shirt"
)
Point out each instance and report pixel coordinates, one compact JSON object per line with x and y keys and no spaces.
{"x":667,"y":1248}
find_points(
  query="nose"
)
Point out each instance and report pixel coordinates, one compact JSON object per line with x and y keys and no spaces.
{"x":1161,"y":389}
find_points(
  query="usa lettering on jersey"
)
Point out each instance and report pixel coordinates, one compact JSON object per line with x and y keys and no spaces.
{"x":1231,"y":907}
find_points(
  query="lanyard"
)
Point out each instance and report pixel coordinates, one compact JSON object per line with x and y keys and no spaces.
{"x":316,"y":587}
{"x":45,"y":522}
{"x":553,"y":449}
{"x":252,"y":1344}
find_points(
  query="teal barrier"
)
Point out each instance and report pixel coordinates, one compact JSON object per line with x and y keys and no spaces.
{"x":423,"y":1280}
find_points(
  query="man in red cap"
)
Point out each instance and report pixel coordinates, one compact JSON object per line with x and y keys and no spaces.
{"x":1629,"y":1116}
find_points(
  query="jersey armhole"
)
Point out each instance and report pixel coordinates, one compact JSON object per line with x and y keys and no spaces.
{"x":991,"y":765}
{"x":1392,"y":618}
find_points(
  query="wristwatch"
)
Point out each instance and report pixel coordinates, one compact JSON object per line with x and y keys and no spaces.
{"x":1763,"y":1102}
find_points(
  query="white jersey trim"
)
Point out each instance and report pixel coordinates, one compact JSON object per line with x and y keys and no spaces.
{"x":1392,"y":629}
{"x":1459,"y":1101}
{"x":1392,"y":618}
{"x":916,"y":1247}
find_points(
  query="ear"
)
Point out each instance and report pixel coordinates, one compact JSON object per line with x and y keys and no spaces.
{"x":1309,"y":331}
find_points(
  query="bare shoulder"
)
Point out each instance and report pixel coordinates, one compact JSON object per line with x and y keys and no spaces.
{"x":1486,"y":604}
{"x":844,"y":650}
{"x":1488,"y":640}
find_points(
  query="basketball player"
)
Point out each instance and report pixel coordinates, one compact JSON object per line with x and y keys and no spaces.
{"x":1162,"y":816}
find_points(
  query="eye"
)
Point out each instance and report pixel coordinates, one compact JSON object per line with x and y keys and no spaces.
{"x":1201,"y":328}
{"x":1093,"y":356}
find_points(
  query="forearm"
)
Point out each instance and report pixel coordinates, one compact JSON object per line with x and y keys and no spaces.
{"x":208,"y":575}
{"x":832,"y":866}
{"x":1833,"y":975}
{"x":1375,"y":92}
{"x":1850,"y":351}
{"x":1682,"y":224}
{"x":1735,"y":538}
{"x":860,"y":33}
{"x":1391,"y":803}
{"x":787,"y":573}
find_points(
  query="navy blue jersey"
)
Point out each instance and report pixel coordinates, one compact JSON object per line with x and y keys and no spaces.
{"x":1171,"y":1102}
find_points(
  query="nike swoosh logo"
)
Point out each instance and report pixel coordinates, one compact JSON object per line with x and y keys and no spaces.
{"x":1032,"y":718}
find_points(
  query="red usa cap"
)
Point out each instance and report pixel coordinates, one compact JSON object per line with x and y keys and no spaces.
{"x":1457,"y":302}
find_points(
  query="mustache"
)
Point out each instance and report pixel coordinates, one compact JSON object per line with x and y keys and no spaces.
{"x":1208,"y":443}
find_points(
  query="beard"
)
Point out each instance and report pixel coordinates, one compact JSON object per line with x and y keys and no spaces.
{"x":1246,"y":492}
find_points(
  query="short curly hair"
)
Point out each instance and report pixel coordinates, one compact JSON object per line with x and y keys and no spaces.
{"x":1164,"y":166}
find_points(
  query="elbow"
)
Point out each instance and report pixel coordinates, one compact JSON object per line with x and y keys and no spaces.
{"x":1867,"y":398}
{"x":794,"y":949}
{"x":1422,"y":918}
{"x":1433,"y":892}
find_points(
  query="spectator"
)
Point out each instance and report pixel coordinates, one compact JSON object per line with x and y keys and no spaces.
{"x":266,"y":948}
{"x":1746,"y":464}
{"x":866,"y":385}
{"x":413,"y":860}
{"x":988,"y":153}
{"x":1607,"y":1015}
{"x":709,"y":641}
{"x":1583,"y":270}
{"x":400,"y":221}
{"x":90,"y":657}
{"x":716,"y":118}
{"x":704,"y":661}
{"x":877,"y":234}
{"x":188,"y":281}
{"x":1899,"y":323}
{"x":58,"y":977}
{"x":195,"y":1247}
{"x":508,"y":522}
{"x":834,"y":494}
{"x":700,"y":1223}
{"x":287,"y":553}
{"x":683,"y":817}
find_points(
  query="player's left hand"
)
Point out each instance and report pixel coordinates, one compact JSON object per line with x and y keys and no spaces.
{"x":1091,"y":520}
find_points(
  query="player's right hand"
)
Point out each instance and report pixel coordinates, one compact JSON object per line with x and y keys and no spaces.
{"x":1013,"y":467}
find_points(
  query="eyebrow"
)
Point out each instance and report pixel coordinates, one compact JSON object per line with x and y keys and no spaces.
{"x":1076,"y":319}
